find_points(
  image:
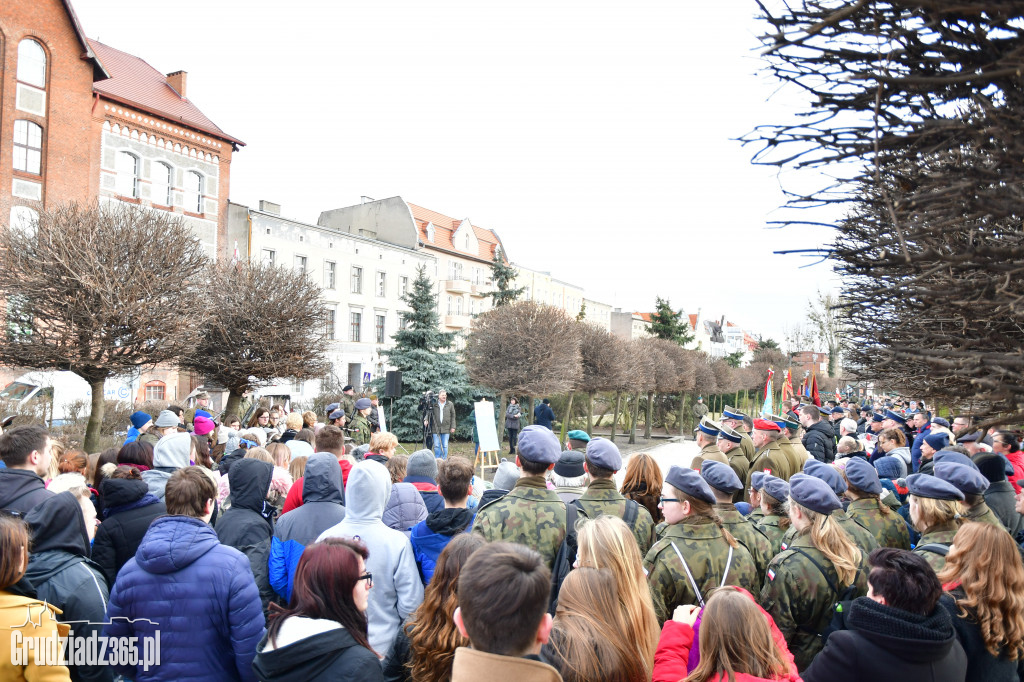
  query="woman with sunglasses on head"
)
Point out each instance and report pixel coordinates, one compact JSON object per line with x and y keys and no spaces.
{"x":322,"y":635}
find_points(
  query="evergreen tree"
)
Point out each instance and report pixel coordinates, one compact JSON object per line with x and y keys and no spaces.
{"x":582,"y":314}
{"x":734,"y":359}
{"x":503,"y":275}
{"x":670,"y":324}
{"x":422,"y":353}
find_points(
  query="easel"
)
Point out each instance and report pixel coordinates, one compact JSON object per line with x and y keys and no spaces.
{"x":489,"y":459}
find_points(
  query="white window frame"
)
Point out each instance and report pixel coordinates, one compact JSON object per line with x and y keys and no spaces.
{"x":269,"y":256}
{"x":330,"y":275}
{"x":28,"y":153}
{"x":381,"y":284}
{"x":123,"y":176}
{"x":166,"y":197}
{"x":194,"y":197}
{"x":26,"y":61}
{"x":300,"y":264}
{"x":356,"y":280}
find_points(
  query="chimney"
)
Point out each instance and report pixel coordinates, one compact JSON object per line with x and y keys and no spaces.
{"x":270,"y":207}
{"x":177,"y":81}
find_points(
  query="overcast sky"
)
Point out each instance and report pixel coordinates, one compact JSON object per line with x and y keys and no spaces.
{"x":596,"y":138}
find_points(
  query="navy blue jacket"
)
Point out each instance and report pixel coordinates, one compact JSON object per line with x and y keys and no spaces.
{"x":543,"y":415}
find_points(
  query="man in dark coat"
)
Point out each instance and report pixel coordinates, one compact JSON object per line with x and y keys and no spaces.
{"x":25,"y":451}
{"x":249,"y":524}
{"x":128,"y":509}
{"x":899,"y":632}
{"x":543,"y":415}
{"x":999,"y":496}
{"x":819,"y":438}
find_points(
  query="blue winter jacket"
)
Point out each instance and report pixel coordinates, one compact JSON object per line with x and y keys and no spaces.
{"x":543,"y":415}
{"x":201,"y":597}
{"x":430,"y":537}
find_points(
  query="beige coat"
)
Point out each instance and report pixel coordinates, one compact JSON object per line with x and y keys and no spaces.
{"x":472,"y":666}
{"x":14,"y":615}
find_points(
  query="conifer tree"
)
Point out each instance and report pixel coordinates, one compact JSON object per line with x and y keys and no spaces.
{"x":670,"y":324}
{"x":503,"y":275}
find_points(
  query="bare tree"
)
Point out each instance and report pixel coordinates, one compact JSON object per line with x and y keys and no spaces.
{"x":643,"y":367}
{"x":603,"y":364}
{"x":823,"y":313}
{"x":269,"y":323}
{"x":101,"y":291}
{"x":683,"y":380}
{"x":663,"y":377}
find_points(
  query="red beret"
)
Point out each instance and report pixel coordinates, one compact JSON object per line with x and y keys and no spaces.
{"x":765,"y":425}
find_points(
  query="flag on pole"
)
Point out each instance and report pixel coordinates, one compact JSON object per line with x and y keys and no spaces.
{"x":234,"y":256}
{"x":766,"y":408}
{"x":787,"y":389}
{"x":814,"y":390}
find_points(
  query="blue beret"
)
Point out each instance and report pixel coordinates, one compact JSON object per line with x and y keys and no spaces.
{"x":863,"y":476}
{"x":827,"y":473}
{"x":539,"y":445}
{"x":940,"y":421}
{"x":926,"y":485}
{"x":332,"y":407}
{"x":690,"y":482}
{"x":813,"y":493}
{"x":709,"y":427}
{"x":877,"y":417}
{"x":776,"y":487}
{"x":336,"y":414}
{"x":969,"y":481}
{"x":729,"y":412}
{"x":204,"y":413}
{"x":951,"y":457}
{"x":757,"y":479}
{"x":363,"y":403}
{"x":576,"y":434}
{"x":937,"y":441}
{"x":720,"y":476}
{"x":730,"y":434}
{"x":604,"y":453}
{"x":889,"y":414}
{"x":838,"y":410}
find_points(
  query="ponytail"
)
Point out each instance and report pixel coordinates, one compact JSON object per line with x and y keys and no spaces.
{"x":832,"y":541}
{"x":779,"y":508}
{"x":701,"y":509}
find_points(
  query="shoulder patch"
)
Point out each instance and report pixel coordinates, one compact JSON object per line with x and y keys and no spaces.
{"x":771,"y":574}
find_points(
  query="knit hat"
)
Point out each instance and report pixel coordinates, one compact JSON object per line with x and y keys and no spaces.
{"x":570,"y":464}
{"x":203,"y":425}
{"x":506,"y":475}
{"x":140,"y":419}
{"x":422,"y":463}
{"x":888,"y":467}
{"x":166,"y":419}
{"x":360,"y":452}
{"x":937,"y":441}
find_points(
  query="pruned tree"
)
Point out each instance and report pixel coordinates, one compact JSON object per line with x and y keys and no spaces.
{"x":643,"y":378}
{"x":602,"y":364}
{"x":524,"y":347}
{"x":664,"y":375}
{"x":101,"y":291}
{"x":684,"y":377}
{"x":269,"y":323}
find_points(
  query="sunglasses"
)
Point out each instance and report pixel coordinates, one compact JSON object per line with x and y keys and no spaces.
{"x":368,"y":577}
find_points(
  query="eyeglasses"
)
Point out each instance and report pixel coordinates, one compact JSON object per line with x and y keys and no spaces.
{"x":368,"y":577}
{"x":670,"y":499}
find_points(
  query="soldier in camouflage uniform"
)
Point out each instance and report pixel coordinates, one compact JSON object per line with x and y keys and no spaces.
{"x":348,"y":401}
{"x":737,"y":421}
{"x":529,"y":514}
{"x":706,"y":435}
{"x":729,"y":443}
{"x":775,"y":522}
{"x":754,"y":491}
{"x":831,"y":476}
{"x":724,"y":483}
{"x":359,"y":429}
{"x":601,"y":460}
{"x":202,"y":403}
{"x":934,"y":505}
{"x":973,"y":485}
{"x":798,"y":594}
{"x":694,"y":551}
{"x":868,"y":510}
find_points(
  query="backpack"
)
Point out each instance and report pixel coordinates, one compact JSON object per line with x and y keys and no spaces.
{"x":839,"y":607}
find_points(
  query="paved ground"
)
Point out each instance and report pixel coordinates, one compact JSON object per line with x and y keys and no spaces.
{"x":678,"y":453}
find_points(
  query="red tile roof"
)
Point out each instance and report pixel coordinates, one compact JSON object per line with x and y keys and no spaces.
{"x":98,"y":71}
{"x":646,"y":317}
{"x":136,"y":83}
{"x":444,"y":229}
{"x":693,"y":321}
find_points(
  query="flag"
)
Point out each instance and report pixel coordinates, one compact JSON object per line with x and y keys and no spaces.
{"x":814,"y":390}
{"x":787,"y":388}
{"x":234,"y":257}
{"x":766,"y":408}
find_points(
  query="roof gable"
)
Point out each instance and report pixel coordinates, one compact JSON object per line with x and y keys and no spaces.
{"x":98,"y":70}
{"x":445,"y":229}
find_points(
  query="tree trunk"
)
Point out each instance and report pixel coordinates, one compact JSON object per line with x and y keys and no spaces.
{"x":590,"y":413}
{"x":682,"y":414}
{"x":636,"y":417}
{"x":650,"y":415}
{"x":501,"y":417}
{"x":527,"y":413}
{"x":234,"y":402}
{"x":615,"y":414}
{"x":568,"y":411}
{"x":92,"y":431}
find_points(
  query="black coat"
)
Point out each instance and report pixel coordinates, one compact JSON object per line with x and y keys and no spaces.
{"x":820,"y":441}
{"x":248,"y":525}
{"x":129,"y":509}
{"x":21,"y":490}
{"x":326,"y":657}
{"x":885,"y":643}
{"x":1001,"y":499}
{"x":982,"y":666}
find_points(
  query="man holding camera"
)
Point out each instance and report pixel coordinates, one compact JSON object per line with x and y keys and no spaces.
{"x":443,"y":423}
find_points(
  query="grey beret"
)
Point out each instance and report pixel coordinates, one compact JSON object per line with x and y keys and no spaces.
{"x":332,"y":407}
{"x":827,"y":473}
{"x":603,"y":453}
{"x":730,"y":434}
{"x":757,"y":479}
{"x":166,"y":419}
{"x":952,"y":457}
{"x":336,"y":414}
{"x":813,"y":493}
{"x":570,"y":464}
{"x":720,"y":476}
{"x":363,"y":404}
{"x":926,"y":485}
{"x":690,"y":482}
{"x":863,"y":476}
{"x":776,"y":487}
{"x":539,"y":445}
{"x":965,"y":479}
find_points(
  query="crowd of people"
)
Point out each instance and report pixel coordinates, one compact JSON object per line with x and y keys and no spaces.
{"x":828,"y":543}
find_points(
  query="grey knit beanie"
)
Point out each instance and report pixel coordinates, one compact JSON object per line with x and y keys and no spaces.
{"x":506,"y":475}
{"x":422,"y":463}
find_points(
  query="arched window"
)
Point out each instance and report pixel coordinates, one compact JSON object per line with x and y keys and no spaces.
{"x":155,"y":390}
{"x":161,"y":184}
{"x":127,"y":174}
{"x":31,"y":63}
{"x":458,"y":305}
{"x":28,"y":147}
{"x":193,"y":192}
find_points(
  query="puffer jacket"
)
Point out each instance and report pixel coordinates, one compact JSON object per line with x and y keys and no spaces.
{"x":430,"y":536}
{"x":128,"y":510}
{"x":199,"y":594}
{"x":405,"y":508}
{"x":820,"y":441}
{"x":172,"y":452}
{"x":249,"y":524}
{"x":428,"y":491}
{"x":322,"y":508}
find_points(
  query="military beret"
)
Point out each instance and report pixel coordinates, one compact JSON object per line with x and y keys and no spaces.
{"x":337,"y":414}
{"x":967,"y":480}
{"x":604,"y":453}
{"x":730,"y":434}
{"x":570,"y":464}
{"x":765,"y":425}
{"x":941,"y":421}
{"x":689,"y":482}
{"x":973,"y":437}
{"x":576,"y":434}
{"x":730,"y":412}
{"x":863,"y":476}
{"x":827,"y":473}
{"x":926,"y":485}
{"x":332,"y":407}
{"x":539,"y":445}
{"x":951,"y":457}
{"x":757,"y":479}
{"x":937,"y":441}
{"x":363,"y":403}
{"x":720,"y":476}
{"x":813,"y":493}
{"x":708,"y":426}
{"x":889,"y":414}
{"x":878,"y":417}
{"x":838,"y":410}
{"x":776,"y":487}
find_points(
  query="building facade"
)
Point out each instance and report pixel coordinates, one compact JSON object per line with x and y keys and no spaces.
{"x":630,"y":326}
{"x":598,"y":313}
{"x":541,"y":287}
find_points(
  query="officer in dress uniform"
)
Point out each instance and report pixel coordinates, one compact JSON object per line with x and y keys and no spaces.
{"x":733,"y":418}
{"x":729,"y":443}
{"x":769,"y":457}
{"x":706,"y":434}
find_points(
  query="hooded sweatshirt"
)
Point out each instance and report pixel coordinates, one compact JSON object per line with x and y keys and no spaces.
{"x":63,"y":575}
{"x":20,"y":490}
{"x":171,"y":453}
{"x":128,"y":510}
{"x":323,"y":508}
{"x":397,"y":589}
{"x":249,"y":524}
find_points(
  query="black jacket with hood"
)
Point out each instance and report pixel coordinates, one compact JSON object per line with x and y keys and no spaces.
{"x":63,"y":576}
{"x":820,"y":441}
{"x":325,"y":656}
{"x":249,"y":524}
{"x":21,"y":490}
{"x":128,"y":510}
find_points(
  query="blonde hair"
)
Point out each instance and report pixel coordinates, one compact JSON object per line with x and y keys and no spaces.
{"x":297,"y":468}
{"x":259,"y":453}
{"x":309,"y":418}
{"x":280,"y":453}
{"x":293,"y":421}
{"x":383,"y":441}
{"x":607,"y":542}
{"x":933,"y":513}
{"x":832,"y":541}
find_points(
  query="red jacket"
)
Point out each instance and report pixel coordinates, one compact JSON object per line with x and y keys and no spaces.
{"x":674,"y":651}
{"x":294,"y":498}
{"x":1017,"y":460}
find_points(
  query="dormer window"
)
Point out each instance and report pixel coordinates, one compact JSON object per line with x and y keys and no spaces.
{"x":430,"y":232}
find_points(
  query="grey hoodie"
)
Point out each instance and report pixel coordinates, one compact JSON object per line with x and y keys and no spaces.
{"x":397,"y":589}
{"x":172,"y":452}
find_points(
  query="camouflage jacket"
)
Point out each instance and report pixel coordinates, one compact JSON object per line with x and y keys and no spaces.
{"x":359,"y":428}
{"x":769,"y":525}
{"x":800,"y":599}
{"x":889,"y":529}
{"x":857,"y":534}
{"x":529,"y":515}
{"x":755,"y":515}
{"x":710,"y":453}
{"x":982,"y":514}
{"x":348,"y":404}
{"x":706,"y":551}
{"x":741,"y":465}
{"x":749,"y":536}
{"x":601,"y":498}
{"x":942,"y":535}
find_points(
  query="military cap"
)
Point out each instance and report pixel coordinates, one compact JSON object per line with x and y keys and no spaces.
{"x":539,"y":445}
{"x":941,"y":421}
{"x":889,"y":414}
{"x":837,"y":410}
{"x":690,"y":482}
{"x":336,"y":414}
{"x":951,"y":457}
{"x":967,"y":480}
{"x":346,"y":388}
{"x":708,"y":426}
{"x":332,"y":407}
{"x":604,"y":453}
{"x":776,"y":487}
{"x":779,"y":421}
{"x":730,"y":434}
{"x":972,"y":437}
{"x":863,"y":476}
{"x":363,"y":404}
{"x":720,"y":476}
{"x":570,"y":464}
{"x":730,"y":412}
{"x":757,"y":479}
{"x":937,"y":441}
{"x":827,"y":473}
{"x":865,"y":408}
{"x":788,"y":423}
{"x":877,"y":417}
{"x":813,"y":493}
{"x":577,"y":434}
{"x":926,"y":485}
{"x":765,"y":425}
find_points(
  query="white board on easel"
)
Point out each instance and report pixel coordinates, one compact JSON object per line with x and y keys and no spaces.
{"x":486,"y":429}
{"x":380,"y":419}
